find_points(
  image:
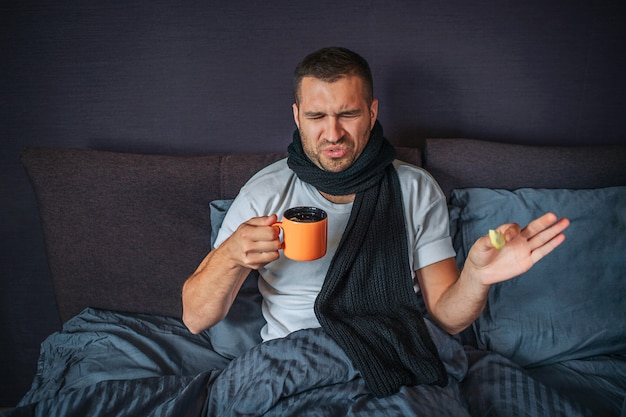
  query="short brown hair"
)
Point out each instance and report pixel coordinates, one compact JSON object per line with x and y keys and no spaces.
{"x":331,"y":64}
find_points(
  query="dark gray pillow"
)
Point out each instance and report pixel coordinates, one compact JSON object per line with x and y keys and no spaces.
{"x":218,"y":210}
{"x":570,"y":305}
{"x":241,"y":328}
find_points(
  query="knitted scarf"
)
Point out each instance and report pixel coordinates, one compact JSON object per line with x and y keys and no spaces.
{"x":367,"y":303}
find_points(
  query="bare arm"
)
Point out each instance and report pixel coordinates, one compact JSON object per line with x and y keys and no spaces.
{"x":209,"y":293}
{"x":455,"y":301}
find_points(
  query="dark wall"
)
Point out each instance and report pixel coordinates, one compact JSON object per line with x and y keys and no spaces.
{"x":183,"y":77}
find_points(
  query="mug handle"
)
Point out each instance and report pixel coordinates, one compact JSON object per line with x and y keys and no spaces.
{"x":280,"y":225}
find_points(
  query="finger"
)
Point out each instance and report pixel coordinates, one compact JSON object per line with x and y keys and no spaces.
{"x":256,"y":260}
{"x":544,"y":236}
{"x":260,"y":252}
{"x":545,"y":241}
{"x":546,"y":247}
{"x":263,"y":220}
{"x":538,"y":225}
{"x":261,"y":223}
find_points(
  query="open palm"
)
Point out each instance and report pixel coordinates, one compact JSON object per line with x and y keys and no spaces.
{"x":524,"y":247}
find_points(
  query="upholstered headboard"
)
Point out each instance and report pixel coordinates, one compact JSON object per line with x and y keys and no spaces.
{"x":123,"y":231}
{"x":462,"y":163}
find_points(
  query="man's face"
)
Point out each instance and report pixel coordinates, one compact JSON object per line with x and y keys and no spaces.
{"x":334,"y":121}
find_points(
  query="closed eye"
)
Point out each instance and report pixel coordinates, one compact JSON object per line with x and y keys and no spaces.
{"x":349,"y":114}
{"x":314,"y":115}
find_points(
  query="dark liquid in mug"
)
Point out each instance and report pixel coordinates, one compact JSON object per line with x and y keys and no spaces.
{"x":305,"y":214}
{"x":303,"y":219}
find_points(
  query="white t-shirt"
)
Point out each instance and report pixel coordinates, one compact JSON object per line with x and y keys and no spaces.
{"x":289,"y":288}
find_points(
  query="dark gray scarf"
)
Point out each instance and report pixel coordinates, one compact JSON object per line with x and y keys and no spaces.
{"x":367,"y":303}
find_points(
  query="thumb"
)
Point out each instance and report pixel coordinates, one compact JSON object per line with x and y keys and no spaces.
{"x":509,"y":231}
{"x":506,"y":232}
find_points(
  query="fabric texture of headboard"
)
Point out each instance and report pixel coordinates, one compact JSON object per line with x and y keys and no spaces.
{"x":463,"y":163}
{"x":123,"y":231}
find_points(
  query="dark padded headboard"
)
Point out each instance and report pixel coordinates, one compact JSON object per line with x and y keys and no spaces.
{"x":462,"y":163}
{"x":123,"y":231}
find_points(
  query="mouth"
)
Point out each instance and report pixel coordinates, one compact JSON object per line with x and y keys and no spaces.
{"x":335,"y":152}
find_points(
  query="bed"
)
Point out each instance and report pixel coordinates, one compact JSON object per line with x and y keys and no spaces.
{"x":123,"y":231}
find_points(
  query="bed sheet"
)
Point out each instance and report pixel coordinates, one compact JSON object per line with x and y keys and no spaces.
{"x":107,"y":363}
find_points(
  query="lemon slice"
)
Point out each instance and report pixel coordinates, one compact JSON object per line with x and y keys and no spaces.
{"x":497,"y":239}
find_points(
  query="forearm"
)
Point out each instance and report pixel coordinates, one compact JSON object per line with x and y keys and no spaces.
{"x":209,"y":293}
{"x":461,"y":304}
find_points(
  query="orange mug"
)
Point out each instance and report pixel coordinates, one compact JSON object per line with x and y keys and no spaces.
{"x":305,"y":231}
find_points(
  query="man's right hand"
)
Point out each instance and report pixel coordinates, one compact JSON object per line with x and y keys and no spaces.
{"x":255,"y":243}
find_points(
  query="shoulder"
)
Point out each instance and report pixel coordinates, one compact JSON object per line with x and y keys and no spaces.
{"x":405,"y":168}
{"x":271,"y":176}
{"x":416,"y":181}
{"x":278,"y":167}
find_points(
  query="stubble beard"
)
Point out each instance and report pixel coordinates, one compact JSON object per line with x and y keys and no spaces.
{"x":330,"y":164}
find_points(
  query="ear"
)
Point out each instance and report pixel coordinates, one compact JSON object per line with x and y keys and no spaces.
{"x":373,"y":113}
{"x":296,"y":114}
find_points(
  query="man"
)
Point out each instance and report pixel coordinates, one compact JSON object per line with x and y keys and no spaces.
{"x":339,"y":161}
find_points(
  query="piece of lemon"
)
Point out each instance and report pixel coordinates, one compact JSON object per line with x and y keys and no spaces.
{"x":497,"y":239}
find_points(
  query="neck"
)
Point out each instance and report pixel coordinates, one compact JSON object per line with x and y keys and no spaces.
{"x":338,"y":199}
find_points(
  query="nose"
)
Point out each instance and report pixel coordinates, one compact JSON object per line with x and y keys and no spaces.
{"x":333,"y":131}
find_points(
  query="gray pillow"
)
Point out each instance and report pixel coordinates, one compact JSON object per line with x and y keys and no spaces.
{"x":241,"y":328}
{"x":218,"y":209}
{"x":570,"y":305}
